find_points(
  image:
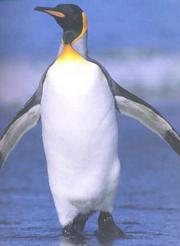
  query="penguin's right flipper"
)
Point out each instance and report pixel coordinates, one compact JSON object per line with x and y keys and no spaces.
{"x":133,"y":106}
{"x":130,"y":105}
{"x":25,"y":119}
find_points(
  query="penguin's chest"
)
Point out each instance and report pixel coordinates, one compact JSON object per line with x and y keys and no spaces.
{"x":79,"y":123}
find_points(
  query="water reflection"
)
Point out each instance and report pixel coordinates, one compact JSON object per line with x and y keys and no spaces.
{"x":64,"y":241}
{"x":73,"y":242}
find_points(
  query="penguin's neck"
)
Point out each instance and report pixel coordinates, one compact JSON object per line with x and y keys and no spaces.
{"x":79,"y":46}
{"x":69,"y":54}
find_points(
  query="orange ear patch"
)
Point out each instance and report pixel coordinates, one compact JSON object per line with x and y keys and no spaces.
{"x":55,"y":13}
{"x":84,"y":27}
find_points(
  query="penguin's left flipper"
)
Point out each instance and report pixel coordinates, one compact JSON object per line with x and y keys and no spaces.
{"x":132,"y":106}
{"x":23,"y":121}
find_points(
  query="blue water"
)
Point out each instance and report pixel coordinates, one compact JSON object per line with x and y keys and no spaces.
{"x":147,"y":207}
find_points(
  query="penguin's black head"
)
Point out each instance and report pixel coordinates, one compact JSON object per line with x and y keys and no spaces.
{"x":71,"y":18}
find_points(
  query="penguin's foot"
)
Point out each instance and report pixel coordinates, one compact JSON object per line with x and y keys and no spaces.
{"x":108,"y":228}
{"x":74,"y":229}
{"x":71,"y":233}
{"x":80,"y":221}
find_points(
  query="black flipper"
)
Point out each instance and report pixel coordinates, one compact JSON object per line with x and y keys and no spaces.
{"x":132,"y":106}
{"x":25,"y":119}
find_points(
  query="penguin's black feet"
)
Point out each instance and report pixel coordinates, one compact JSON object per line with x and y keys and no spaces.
{"x":69,"y":232}
{"x":107,"y":227}
{"x":74,"y":229}
{"x":80,"y":221}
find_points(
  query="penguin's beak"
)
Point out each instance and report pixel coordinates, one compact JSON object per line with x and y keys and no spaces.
{"x":51,"y":11}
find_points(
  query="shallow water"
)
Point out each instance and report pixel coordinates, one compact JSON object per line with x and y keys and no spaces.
{"x":147,"y":207}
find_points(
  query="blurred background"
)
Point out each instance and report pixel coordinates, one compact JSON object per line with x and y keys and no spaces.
{"x":138,"y":41}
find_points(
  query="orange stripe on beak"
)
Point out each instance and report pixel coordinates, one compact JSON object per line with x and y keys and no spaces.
{"x":50,"y":11}
{"x":55,"y":13}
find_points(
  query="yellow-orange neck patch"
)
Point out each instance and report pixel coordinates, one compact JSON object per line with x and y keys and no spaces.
{"x":69,"y":54}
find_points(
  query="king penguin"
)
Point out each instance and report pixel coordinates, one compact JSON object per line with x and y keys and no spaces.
{"x":77,"y":101}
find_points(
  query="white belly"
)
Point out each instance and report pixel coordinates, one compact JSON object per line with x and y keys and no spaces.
{"x":80,"y":136}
